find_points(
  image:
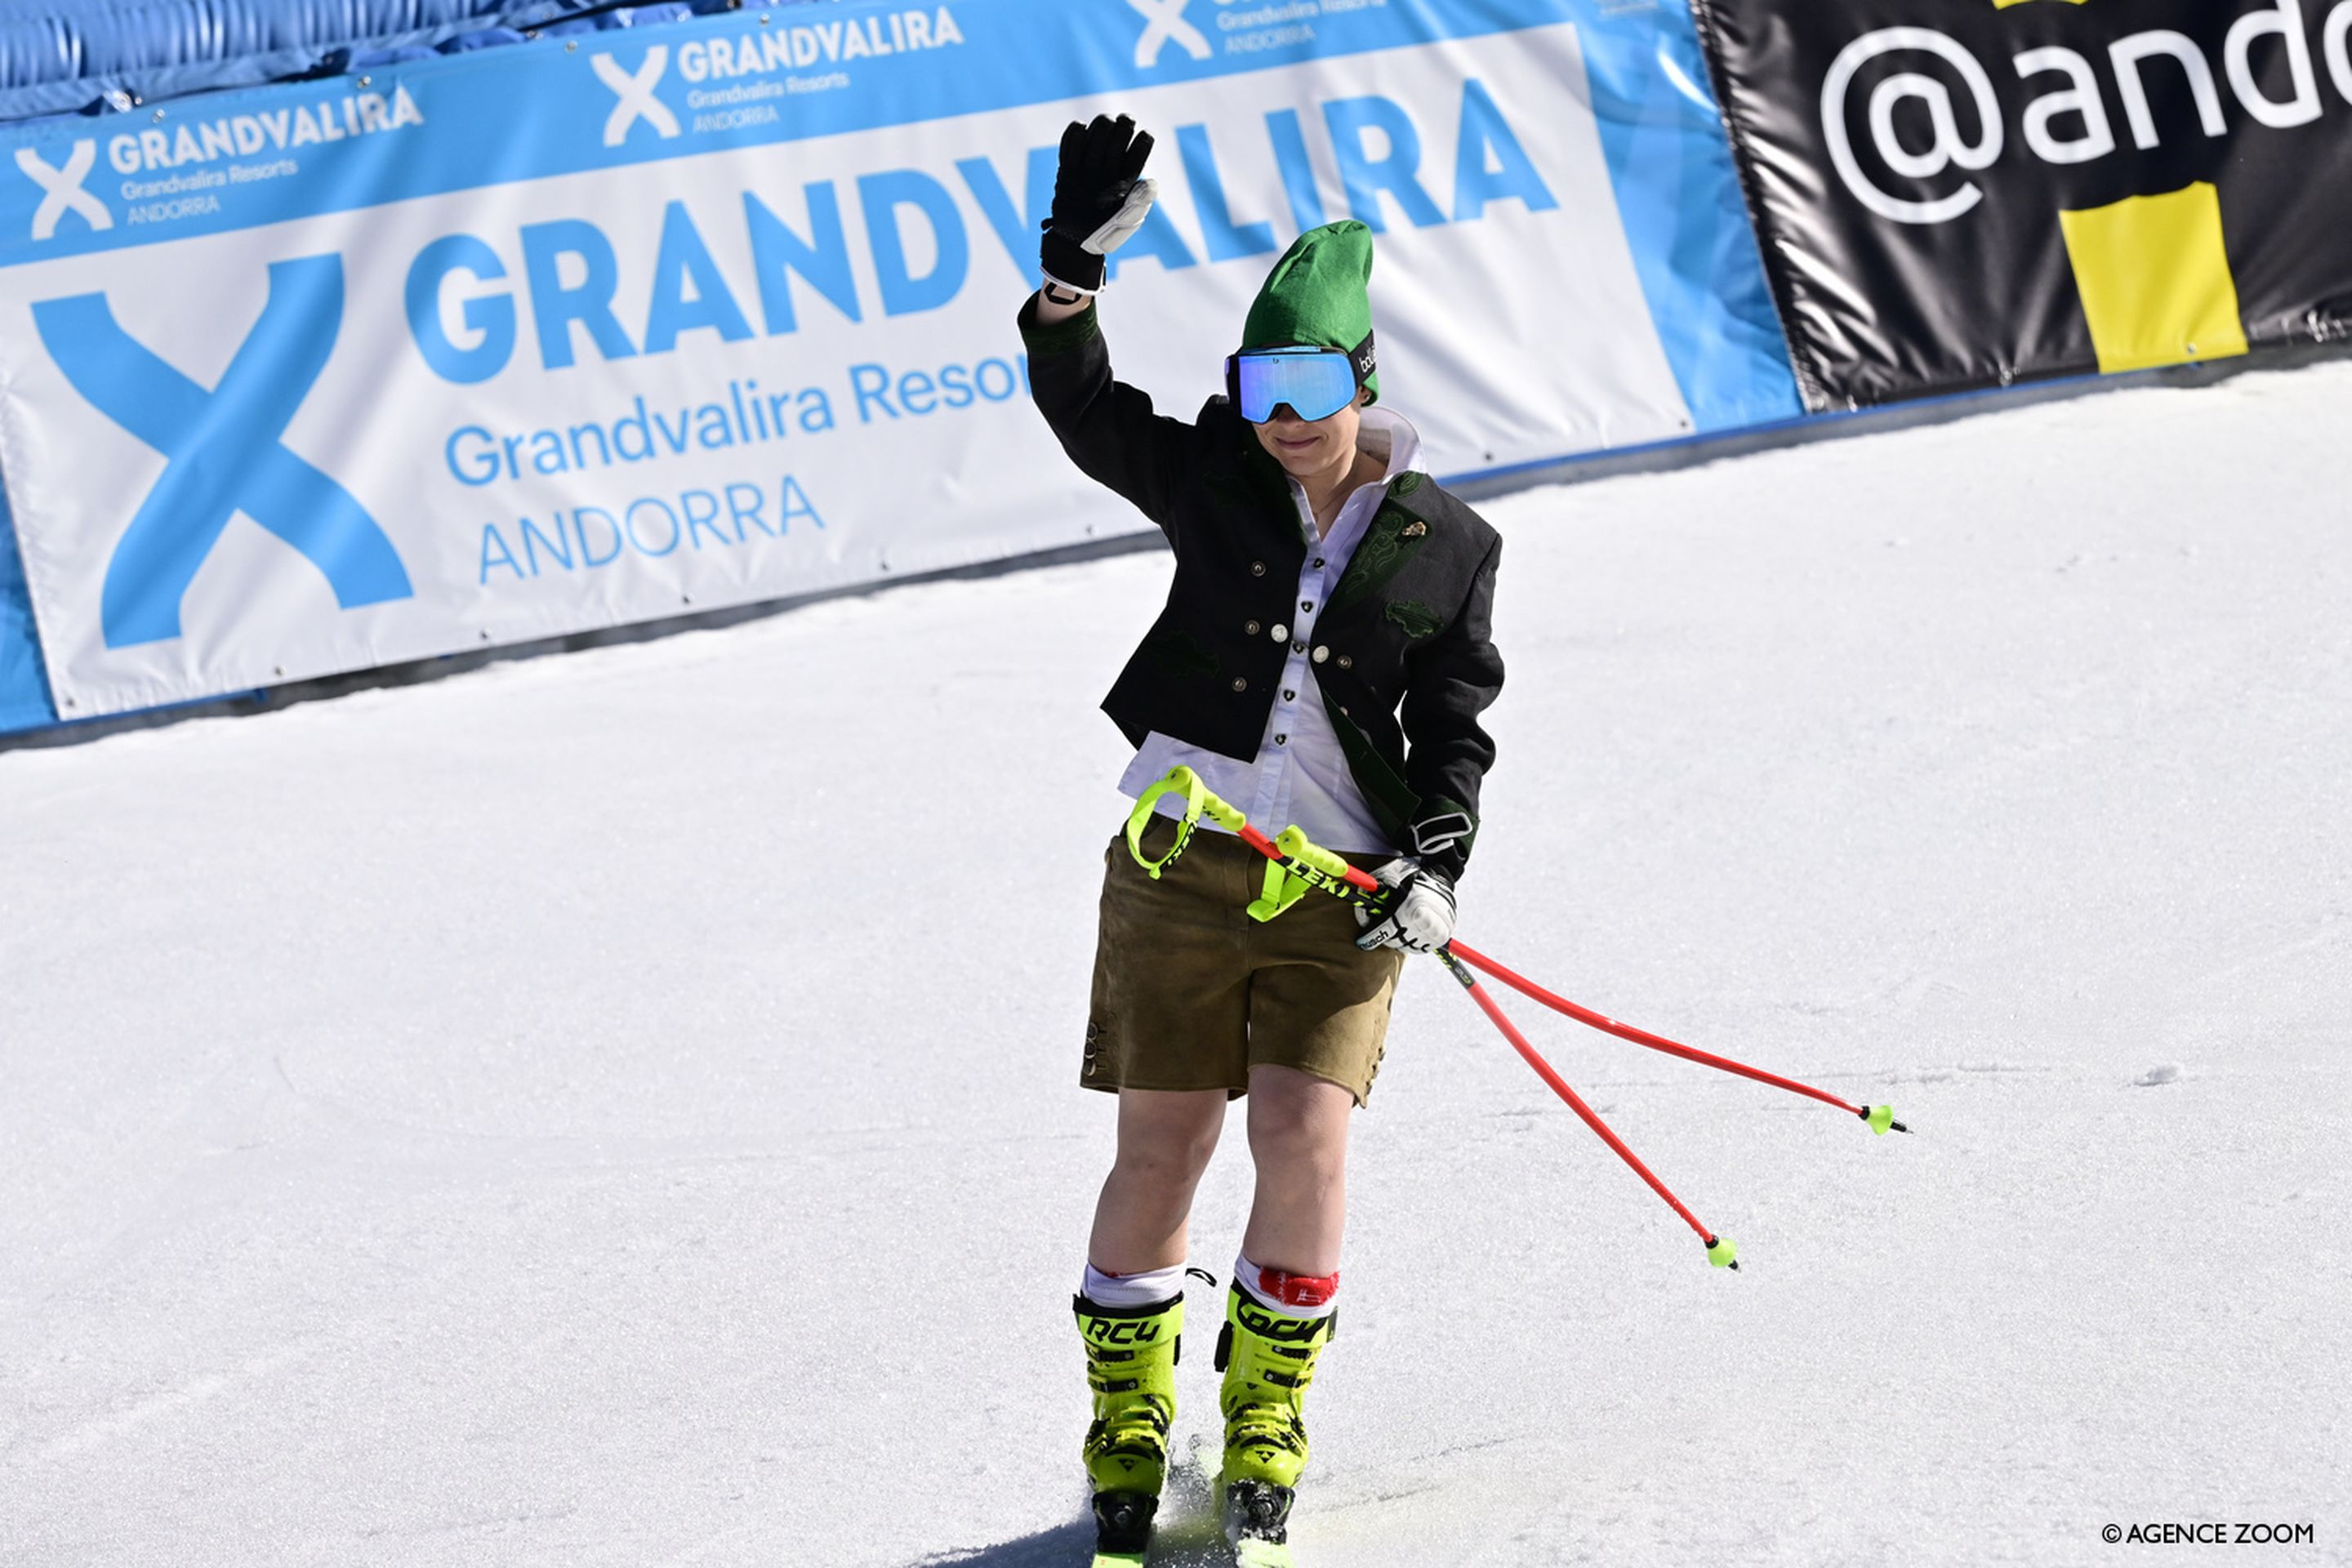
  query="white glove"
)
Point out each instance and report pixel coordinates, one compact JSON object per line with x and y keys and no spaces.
{"x":1421,"y":911}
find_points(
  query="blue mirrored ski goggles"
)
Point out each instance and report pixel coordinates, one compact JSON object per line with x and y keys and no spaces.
{"x":1315,"y":382}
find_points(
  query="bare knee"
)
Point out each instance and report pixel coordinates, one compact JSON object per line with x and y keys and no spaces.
{"x":1305,"y":1140}
{"x":1303,"y":1161}
{"x":1171,"y":1159}
{"x":1169,"y":1145}
{"x":1300,"y":1154}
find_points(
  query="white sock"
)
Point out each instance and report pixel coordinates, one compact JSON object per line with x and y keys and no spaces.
{"x":1261,"y":1284}
{"x":1148,"y":1288}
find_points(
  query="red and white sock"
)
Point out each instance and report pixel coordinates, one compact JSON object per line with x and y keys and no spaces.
{"x":1293,"y":1295}
{"x":1148,"y":1288}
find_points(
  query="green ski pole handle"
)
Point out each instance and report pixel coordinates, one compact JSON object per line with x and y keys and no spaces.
{"x":1297,"y":864}
{"x":1147,"y":807}
{"x":1199,"y":801}
{"x":1336,"y":876}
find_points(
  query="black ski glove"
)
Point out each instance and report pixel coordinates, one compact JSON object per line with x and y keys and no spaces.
{"x":1100,"y":198}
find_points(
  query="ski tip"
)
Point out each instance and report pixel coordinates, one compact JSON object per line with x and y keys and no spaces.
{"x":1721,"y":1253}
{"x":1881,"y":1118}
{"x":1119,"y":1560}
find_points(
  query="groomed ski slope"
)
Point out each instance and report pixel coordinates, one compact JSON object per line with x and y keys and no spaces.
{"x":620,"y":1109}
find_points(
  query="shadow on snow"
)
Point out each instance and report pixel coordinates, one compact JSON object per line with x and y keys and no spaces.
{"x":1188,"y":1535}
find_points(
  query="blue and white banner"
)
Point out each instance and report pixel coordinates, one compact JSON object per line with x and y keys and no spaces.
{"x":495,"y":347}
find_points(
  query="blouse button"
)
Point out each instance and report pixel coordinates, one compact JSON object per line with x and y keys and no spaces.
{"x":1282,"y":740}
{"x":1299,"y":647}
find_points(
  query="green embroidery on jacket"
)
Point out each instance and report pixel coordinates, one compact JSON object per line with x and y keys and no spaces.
{"x":1417,"y":618}
{"x":1388,"y":544}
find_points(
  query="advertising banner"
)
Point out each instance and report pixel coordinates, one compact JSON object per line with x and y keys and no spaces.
{"x":24,"y":689}
{"x":493,"y":347}
{"x":1957,"y":194}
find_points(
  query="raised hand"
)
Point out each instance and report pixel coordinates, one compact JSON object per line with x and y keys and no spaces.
{"x":1100,"y":198}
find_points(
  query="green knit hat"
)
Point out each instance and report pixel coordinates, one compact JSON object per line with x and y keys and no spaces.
{"x":1317,"y":295}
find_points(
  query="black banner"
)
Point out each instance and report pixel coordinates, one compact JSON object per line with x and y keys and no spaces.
{"x":1957,"y":193}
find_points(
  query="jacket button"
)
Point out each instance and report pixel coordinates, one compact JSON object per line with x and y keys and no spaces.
{"x":1280,"y":632}
{"x":1252,"y":629}
{"x":1321,"y":654}
{"x":1347,"y":663}
{"x":1258,"y":568}
{"x":1343,"y":713}
{"x":1239,"y":684}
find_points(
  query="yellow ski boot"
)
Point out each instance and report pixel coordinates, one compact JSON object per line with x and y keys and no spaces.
{"x":1131,"y":1367}
{"x":1268,"y":1359}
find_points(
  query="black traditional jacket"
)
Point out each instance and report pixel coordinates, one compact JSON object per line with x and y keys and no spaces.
{"x":1402,"y":653}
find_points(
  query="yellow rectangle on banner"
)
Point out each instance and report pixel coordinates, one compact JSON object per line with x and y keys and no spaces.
{"x":2155,"y":278}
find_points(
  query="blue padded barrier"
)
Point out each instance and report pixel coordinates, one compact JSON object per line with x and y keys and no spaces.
{"x":96,"y":55}
{"x":24,"y":690}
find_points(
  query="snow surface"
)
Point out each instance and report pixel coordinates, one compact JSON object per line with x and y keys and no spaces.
{"x":620,"y":1109}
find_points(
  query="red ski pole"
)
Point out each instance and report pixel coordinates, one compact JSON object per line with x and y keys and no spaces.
{"x":1312,"y":867}
{"x":1719,"y":1252}
{"x":1879,"y":1117}
{"x":1298,"y":866}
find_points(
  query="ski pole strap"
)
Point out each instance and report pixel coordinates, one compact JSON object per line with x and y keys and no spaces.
{"x":1198,"y":800}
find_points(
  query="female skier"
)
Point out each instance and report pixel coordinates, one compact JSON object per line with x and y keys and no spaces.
{"x":1323,"y":660}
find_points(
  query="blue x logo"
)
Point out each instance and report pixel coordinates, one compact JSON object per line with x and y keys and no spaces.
{"x":223,"y":450}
